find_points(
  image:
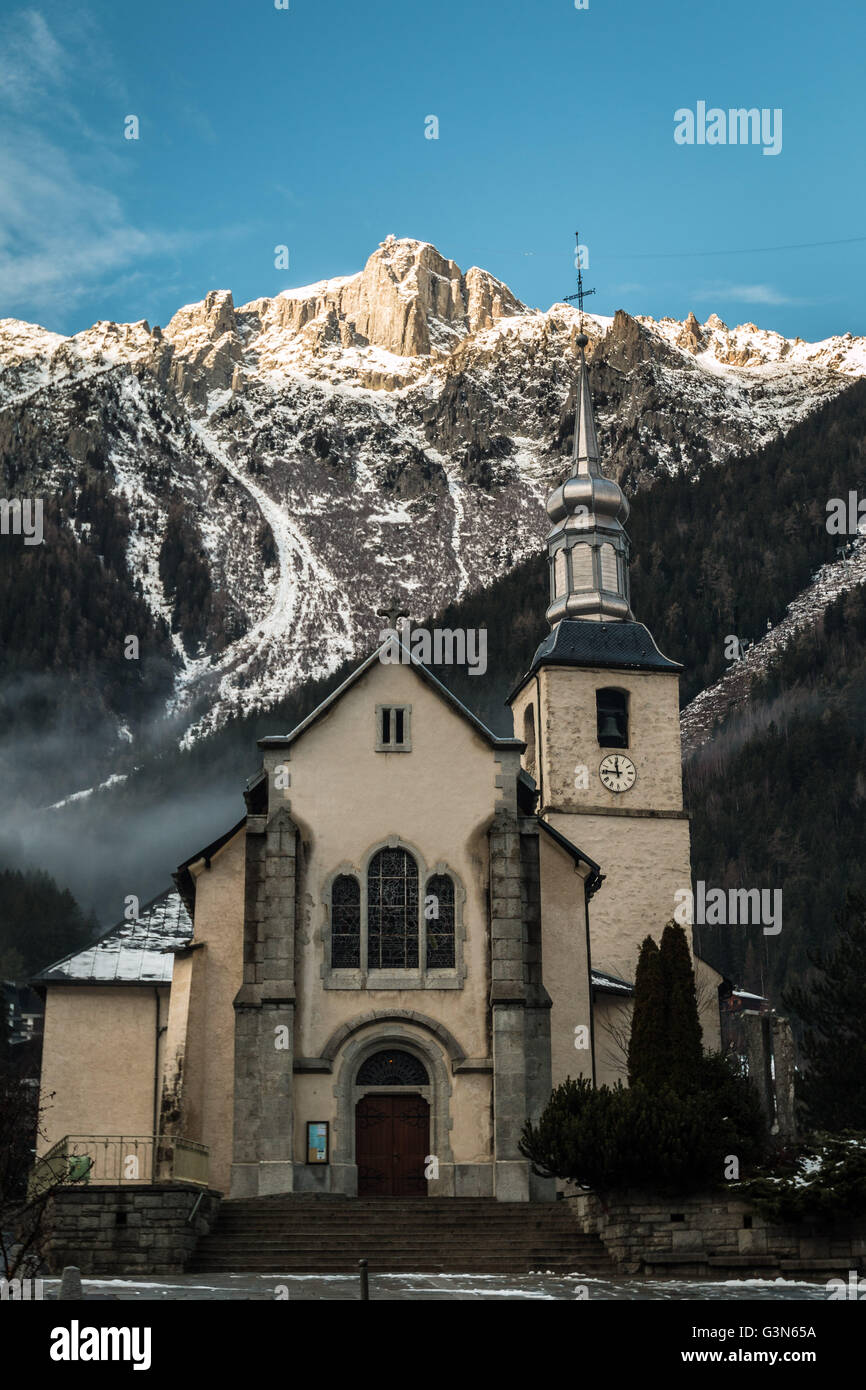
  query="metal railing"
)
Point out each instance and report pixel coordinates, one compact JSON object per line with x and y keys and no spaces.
{"x":190,"y":1161}
{"x":133,"y":1160}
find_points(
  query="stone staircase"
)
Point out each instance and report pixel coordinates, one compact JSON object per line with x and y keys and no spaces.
{"x":461,"y":1235}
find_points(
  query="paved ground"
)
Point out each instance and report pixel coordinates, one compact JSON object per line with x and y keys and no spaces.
{"x":491,"y":1287}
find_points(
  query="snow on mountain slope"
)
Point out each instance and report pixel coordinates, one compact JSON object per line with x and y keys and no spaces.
{"x":730,"y":693}
{"x":392,"y":433}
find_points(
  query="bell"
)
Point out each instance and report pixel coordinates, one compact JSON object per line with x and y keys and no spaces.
{"x":610,"y":729}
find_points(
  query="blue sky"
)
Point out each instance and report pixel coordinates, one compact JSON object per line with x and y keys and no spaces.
{"x":306,"y":128}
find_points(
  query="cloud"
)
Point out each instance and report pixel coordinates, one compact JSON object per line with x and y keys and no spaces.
{"x":743,"y":294}
{"x":59,"y":231}
{"x":31,"y":59}
{"x":63,"y":231}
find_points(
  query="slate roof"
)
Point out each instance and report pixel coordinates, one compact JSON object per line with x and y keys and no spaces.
{"x":614,"y":645}
{"x":132,"y":953}
{"x":407,"y":659}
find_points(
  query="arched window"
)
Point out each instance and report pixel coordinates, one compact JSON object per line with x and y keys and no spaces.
{"x":612,"y":716}
{"x":609,"y":576}
{"x":392,"y":911}
{"x":529,"y":738}
{"x":392,"y":1069}
{"x":560,"y":573}
{"x":439,"y":917}
{"x":345,"y":922}
{"x":581,"y":566}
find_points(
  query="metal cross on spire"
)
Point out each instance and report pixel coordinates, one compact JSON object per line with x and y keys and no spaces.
{"x":393,"y":612}
{"x":582,"y":294}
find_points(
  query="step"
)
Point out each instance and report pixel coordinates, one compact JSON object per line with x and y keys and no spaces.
{"x":315,"y":1235}
{"x":502,"y":1268}
{"x":414,"y":1223}
{"x":491,"y":1266}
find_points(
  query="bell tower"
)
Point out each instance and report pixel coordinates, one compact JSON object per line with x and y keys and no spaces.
{"x":587,"y":547}
{"x":598,"y":710}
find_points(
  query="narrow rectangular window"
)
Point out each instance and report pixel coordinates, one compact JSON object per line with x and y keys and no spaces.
{"x":393,"y":728}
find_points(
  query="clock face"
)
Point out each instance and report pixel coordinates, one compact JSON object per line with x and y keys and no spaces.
{"x":617,"y":772}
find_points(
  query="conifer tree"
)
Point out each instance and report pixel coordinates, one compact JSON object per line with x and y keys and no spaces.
{"x":647,"y":1050}
{"x":683,"y":1046}
{"x":833,"y":1089}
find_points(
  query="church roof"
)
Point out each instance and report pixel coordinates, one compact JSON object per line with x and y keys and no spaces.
{"x":495,"y":740}
{"x":595,"y":877}
{"x":610,"y":984}
{"x":626,"y":646}
{"x":131,"y":953}
{"x":182,"y":876}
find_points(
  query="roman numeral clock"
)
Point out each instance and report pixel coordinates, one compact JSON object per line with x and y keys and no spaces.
{"x":617,"y":772}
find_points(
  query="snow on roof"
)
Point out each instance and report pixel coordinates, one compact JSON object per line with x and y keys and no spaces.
{"x":610,"y":983}
{"x":139,"y":952}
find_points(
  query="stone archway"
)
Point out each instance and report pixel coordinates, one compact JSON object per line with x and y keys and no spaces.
{"x":436,"y":1094}
{"x":392,"y":1125}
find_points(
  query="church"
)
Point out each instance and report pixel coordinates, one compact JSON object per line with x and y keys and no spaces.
{"x":418,"y":928}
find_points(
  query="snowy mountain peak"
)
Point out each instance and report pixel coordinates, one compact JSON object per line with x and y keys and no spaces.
{"x":396,"y":430}
{"x":408,"y":302}
{"x":408,"y":312}
{"x":713,"y":343}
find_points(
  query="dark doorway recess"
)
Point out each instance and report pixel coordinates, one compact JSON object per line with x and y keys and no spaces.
{"x":392,"y":1135}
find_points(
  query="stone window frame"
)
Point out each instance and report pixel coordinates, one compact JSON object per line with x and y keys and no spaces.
{"x":406,"y":745}
{"x":420,"y":977}
{"x":616,"y":690}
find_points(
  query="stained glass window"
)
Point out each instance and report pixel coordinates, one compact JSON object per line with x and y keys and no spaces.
{"x":345,"y":922}
{"x":392,"y":1069}
{"x":439,"y":915}
{"x":392,"y":911}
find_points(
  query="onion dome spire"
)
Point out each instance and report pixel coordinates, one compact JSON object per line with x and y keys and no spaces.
{"x":588,"y":549}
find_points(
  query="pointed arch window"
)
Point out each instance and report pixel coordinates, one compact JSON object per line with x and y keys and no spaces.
{"x":392,"y":911}
{"x":439,"y":916}
{"x":395,"y":923}
{"x":345,"y":922}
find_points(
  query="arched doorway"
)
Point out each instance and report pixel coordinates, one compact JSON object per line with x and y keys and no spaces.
{"x":392,"y":1126}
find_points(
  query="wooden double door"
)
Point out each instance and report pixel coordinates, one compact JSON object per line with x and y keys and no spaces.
{"x":392,"y":1136}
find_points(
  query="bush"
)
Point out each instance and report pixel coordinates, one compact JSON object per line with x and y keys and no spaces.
{"x":656,"y":1139}
{"x":825,"y":1181}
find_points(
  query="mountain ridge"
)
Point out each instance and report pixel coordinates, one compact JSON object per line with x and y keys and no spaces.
{"x":389,"y":433}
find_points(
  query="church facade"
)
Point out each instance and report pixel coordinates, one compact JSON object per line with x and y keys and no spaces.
{"x":418,"y":928}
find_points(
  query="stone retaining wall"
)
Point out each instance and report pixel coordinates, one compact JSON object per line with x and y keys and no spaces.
{"x":714,"y":1236}
{"x":127,"y":1230}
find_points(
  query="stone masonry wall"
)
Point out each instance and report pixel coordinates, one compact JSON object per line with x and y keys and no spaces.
{"x":715,"y":1236}
{"x":127,"y":1230}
